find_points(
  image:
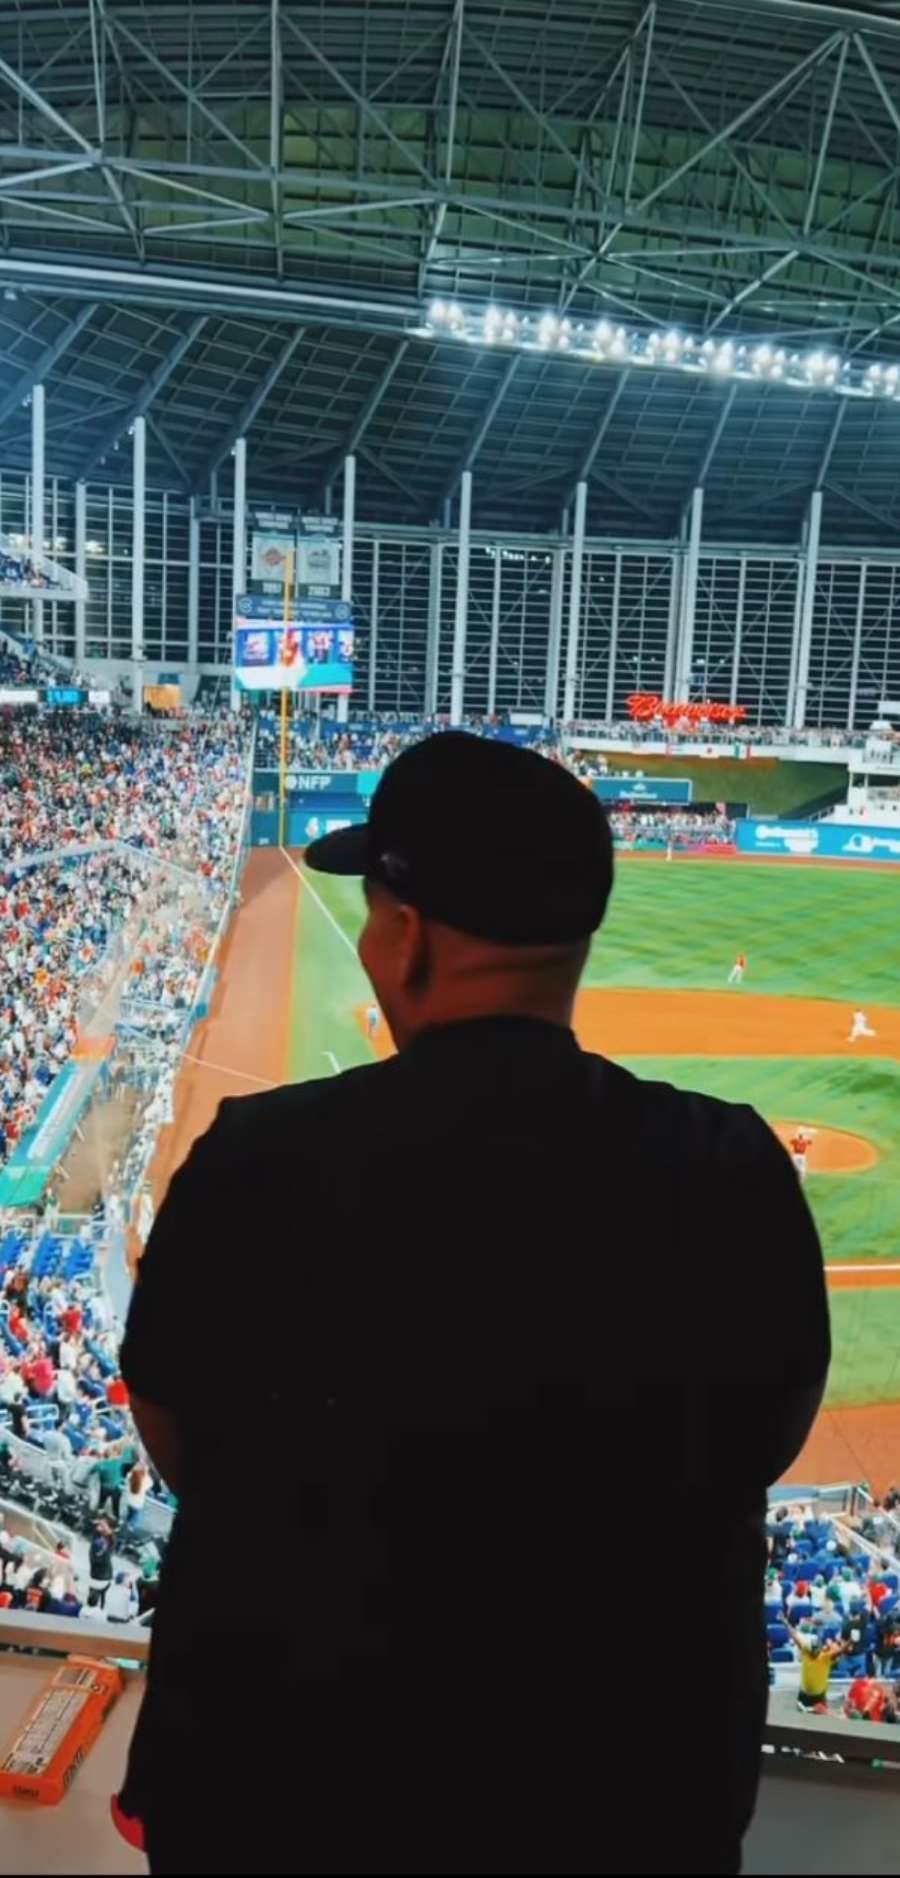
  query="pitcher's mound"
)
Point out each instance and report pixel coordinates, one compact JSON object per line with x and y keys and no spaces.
{"x":831,"y":1151}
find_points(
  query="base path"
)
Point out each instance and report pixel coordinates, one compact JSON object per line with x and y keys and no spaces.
{"x":852,"y":1444}
{"x":726,"y":1023}
{"x":242,"y":1046}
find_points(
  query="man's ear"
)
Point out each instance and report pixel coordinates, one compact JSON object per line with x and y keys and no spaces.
{"x":413,"y":949}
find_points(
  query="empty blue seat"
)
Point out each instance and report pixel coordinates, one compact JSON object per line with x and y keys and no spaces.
{"x":782,"y":1655}
{"x":777,"y":1635}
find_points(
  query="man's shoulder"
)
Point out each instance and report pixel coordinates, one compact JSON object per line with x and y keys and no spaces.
{"x":683,"y":1122}
{"x":258,"y":1120}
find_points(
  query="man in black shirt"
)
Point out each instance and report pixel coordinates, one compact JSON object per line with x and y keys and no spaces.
{"x":508,"y":1281}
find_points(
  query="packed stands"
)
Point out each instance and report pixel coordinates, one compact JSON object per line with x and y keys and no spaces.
{"x":63,"y":1401}
{"x":117,"y":796}
{"x":824,"y":1589}
{"x":20,"y":571}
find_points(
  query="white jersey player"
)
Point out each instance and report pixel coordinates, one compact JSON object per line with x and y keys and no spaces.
{"x":860,"y":1027}
{"x":372,"y":1019}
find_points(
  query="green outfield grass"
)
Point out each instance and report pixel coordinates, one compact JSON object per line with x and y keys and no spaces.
{"x":809,"y":932}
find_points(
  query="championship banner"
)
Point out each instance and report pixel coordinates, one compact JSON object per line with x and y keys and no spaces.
{"x":271,"y":556}
{"x":319,"y":556}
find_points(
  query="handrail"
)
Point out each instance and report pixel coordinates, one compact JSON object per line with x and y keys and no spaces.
{"x":75,"y":1636}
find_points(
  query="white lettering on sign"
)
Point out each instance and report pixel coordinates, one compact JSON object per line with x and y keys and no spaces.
{"x":308,"y":780}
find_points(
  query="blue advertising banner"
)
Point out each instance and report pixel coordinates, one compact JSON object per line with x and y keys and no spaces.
{"x":643,"y":788}
{"x":270,"y":606}
{"x":836,"y":841}
{"x":317,"y":784}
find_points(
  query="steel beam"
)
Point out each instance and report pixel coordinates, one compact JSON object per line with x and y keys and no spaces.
{"x":804,"y":638}
{"x":81,"y":573}
{"x":251,"y":409}
{"x":238,"y":545}
{"x":142,"y":403}
{"x":825,"y":139}
{"x":42,"y":368}
{"x":716,"y":438}
{"x":138,"y":541}
{"x":467,"y":461}
{"x":575,"y":576}
{"x":38,"y":437}
{"x":458,"y":668}
{"x":360,"y":424}
{"x":590,"y":455}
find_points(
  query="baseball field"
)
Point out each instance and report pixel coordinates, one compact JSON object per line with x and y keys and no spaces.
{"x":820,"y":941}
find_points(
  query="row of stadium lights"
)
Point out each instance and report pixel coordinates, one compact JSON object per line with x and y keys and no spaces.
{"x":607,"y":344}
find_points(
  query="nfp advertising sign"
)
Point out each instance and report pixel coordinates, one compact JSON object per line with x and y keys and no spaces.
{"x":826,"y":841}
{"x":293,"y":657}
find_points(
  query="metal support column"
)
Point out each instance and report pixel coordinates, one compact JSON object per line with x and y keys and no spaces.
{"x":193,"y":618}
{"x":672,"y":626}
{"x":804,"y":634}
{"x":684,"y":657}
{"x":614,"y":638}
{"x":433,"y":637}
{"x":494,"y":651}
{"x":458,"y":668}
{"x":373,"y":625}
{"x":238,"y":548}
{"x":138,"y":537}
{"x":554,"y":637}
{"x":738,"y":633}
{"x":81,"y":572}
{"x":574,"y":603}
{"x":38,"y":420}
{"x":857,"y":646}
{"x":343,"y":702}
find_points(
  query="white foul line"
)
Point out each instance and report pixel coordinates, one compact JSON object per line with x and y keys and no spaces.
{"x":878,"y":1265}
{"x":307,"y":883}
{"x":243,"y":1075}
{"x":332,"y":1059}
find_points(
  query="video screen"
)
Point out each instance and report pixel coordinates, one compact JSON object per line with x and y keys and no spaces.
{"x":280,"y":657}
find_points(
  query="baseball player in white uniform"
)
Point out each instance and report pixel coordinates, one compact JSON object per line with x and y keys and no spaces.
{"x":860,"y":1027}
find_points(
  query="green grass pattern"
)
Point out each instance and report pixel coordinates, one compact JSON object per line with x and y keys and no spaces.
{"x":808,"y":932}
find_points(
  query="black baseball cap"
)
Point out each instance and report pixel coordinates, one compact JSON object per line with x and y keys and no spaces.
{"x":486,"y":837}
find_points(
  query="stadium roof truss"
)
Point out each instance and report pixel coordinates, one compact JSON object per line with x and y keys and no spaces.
{"x":233,"y":217}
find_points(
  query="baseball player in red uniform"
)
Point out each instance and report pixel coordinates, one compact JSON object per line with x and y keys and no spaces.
{"x":799,"y":1144}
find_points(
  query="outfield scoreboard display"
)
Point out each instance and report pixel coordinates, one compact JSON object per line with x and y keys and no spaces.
{"x":655,"y":791}
{"x":312,"y":650}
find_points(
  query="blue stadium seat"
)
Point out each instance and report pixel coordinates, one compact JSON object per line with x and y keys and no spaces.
{"x":782,"y":1655}
{"x":777,"y":1634}
{"x":802,"y":1608}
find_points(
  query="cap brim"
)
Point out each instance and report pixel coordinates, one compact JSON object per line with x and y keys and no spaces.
{"x":346,"y":851}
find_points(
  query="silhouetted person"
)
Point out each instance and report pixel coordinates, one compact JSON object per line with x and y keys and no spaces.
{"x":507,"y":1283}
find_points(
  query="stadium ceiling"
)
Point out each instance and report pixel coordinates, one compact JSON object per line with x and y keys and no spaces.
{"x":235,"y":216}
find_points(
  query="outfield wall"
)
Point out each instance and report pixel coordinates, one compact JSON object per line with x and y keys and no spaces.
{"x":839,"y":841}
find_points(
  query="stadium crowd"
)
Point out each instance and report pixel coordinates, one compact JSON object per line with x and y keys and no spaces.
{"x":18,"y":570}
{"x":655,"y":828}
{"x":833,"y":1611}
{"x":76,"y":782}
{"x":61,"y":1393}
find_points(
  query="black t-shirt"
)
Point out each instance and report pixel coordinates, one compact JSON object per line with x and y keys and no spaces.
{"x":472,"y":1299}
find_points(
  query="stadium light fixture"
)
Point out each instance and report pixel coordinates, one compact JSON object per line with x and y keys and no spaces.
{"x":667,"y":349}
